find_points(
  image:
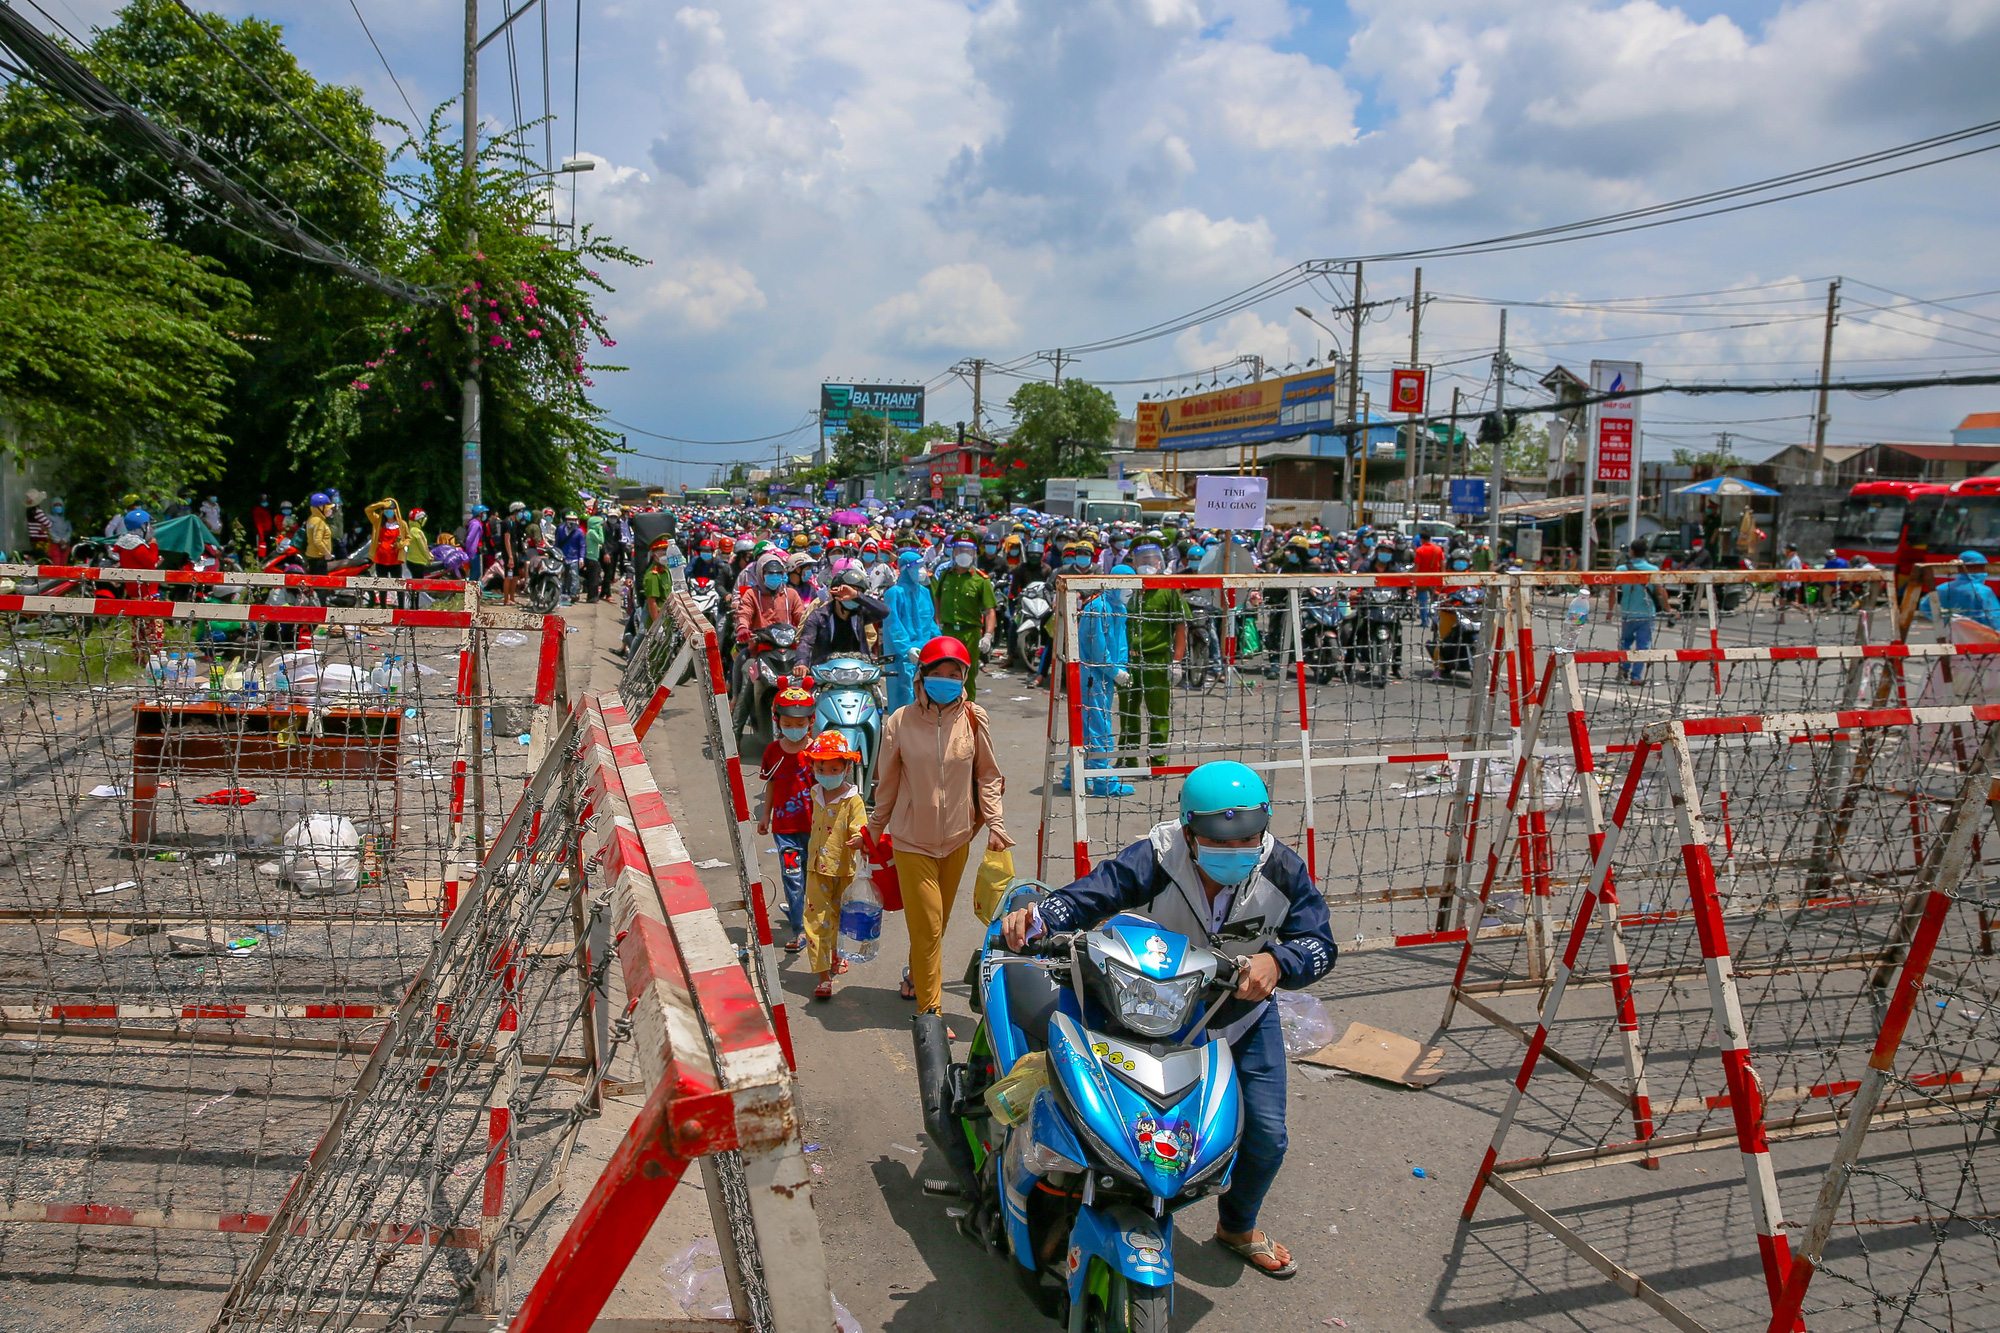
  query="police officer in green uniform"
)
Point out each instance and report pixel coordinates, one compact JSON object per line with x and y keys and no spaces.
{"x":1156,"y":628}
{"x":966,"y":604}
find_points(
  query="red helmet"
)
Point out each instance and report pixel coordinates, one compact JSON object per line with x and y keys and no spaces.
{"x":943,"y":648}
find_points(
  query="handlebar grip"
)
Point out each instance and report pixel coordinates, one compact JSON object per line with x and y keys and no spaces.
{"x":1049,"y":946}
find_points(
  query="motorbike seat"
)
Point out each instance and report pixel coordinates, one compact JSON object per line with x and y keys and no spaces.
{"x":1031,"y":999}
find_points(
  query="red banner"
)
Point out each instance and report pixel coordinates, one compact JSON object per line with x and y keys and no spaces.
{"x":1406,"y":390}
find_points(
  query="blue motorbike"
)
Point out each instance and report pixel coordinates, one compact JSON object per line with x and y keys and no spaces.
{"x":1075,"y":1176}
{"x":849,"y":700}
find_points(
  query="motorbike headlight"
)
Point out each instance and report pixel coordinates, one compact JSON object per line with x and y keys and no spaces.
{"x":1148,"y":1007}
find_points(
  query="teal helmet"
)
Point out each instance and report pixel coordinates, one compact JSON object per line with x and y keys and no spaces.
{"x":1971,"y":558}
{"x":1224,"y":801}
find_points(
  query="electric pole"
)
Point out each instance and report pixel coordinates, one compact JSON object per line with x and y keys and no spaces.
{"x":1498,"y":480}
{"x":469,"y":433}
{"x":978,"y":374}
{"x":1056,"y":358}
{"x":1354,"y":436}
{"x":1414,"y":467}
{"x":1825,"y":373}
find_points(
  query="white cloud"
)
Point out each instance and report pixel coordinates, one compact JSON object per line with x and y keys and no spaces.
{"x":958,"y":307}
{"x":701,"y":295}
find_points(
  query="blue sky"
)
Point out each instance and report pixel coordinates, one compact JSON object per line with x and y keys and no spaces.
{"x":877,"y":188}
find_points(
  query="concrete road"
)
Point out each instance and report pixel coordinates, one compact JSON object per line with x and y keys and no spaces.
{"x":1379,"y":1247}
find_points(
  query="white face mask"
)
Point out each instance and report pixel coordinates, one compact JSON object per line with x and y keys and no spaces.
{"x":963,"y":559}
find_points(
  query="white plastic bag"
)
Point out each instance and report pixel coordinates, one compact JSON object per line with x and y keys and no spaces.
{"x":1305,"y":1021}
{"x":322,"y":855}
{"x":860,"y":921}
{"x":696,"y":1281}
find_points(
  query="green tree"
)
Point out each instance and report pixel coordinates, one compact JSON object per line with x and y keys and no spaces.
{"x":520,"y":302}
{"x":1713,"y":459}
{"x":299,"y":318}
{"x":1527,"y":451}
{"x":1058,"y":432}
{"x":871,"y":443}
{"x":113,"y":355}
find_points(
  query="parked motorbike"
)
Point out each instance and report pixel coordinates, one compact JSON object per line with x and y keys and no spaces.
{"x":1031,"y":623}
{"x":771,"y":657}
{"x":1460,"y":617}
{"x":545,"y":580}
{"x":1111,"y":1107}
{"x":850,"y":700}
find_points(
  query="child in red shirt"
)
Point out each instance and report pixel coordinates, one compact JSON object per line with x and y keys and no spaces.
{"x":787,"y":813}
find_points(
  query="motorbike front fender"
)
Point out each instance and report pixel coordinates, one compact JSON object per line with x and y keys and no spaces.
{"x":1131,"y":1243}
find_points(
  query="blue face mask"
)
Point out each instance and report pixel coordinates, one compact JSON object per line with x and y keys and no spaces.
{"x":869,"y":557}
{"x":829,"y":781}
{"x":1080,"y":562}
{"x":943,"y":689}
{"x":1227,"y":865}
{"x":792,"y":733}
{"x":774,"y":581}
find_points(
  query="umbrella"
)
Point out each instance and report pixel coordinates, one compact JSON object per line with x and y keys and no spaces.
{"x":187,"y":534}
{"x":798,"y":504}
{"x":1725,"y":486}
{"x":853,"y":518}
{"x":902,"y":514}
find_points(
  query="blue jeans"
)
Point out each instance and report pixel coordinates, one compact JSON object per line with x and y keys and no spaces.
{"x":1635,"y":633}
{"x":1260,"y":1079}
{"x":792,"y":862}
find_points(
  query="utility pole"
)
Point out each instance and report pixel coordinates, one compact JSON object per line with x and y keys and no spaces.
{"x":1825,"y":373}
{"x":1414,"y":469}
{"x":978,"y":374}
{"x":1057,"y":358}
{"x":1451,"y":459}
{"x":468,"y":412}
{"x":1498,"y":480}
{"x":1356,"y":502}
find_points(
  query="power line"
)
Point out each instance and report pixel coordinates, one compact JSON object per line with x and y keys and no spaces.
{"x":54,"y":70}
{"x":1711,"y":203}
{"x":714,"y":444}
{"x":415,"y":119}
{"x":295,"y":113}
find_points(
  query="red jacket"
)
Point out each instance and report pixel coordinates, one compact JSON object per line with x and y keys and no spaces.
{"x":1430,"y":557}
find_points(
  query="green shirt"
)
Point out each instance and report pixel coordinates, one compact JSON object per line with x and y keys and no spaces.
{"x":657,"y":583}
{"x":1482,"y":559}
{"x":963,"y":597}
{"x":1150,"y":627}
{"x":593,"y":536}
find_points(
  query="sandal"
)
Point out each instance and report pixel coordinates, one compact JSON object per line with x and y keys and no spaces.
{"x":823,"y":991}
{"x":909,"y":989}
{"x":839,"y":965}
{"x":1251,"y":1251}
{"x":795,"y":944}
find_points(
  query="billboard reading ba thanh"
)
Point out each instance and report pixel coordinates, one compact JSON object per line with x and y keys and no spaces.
{"x":903,"y":404}
{"x":1274,"y":409}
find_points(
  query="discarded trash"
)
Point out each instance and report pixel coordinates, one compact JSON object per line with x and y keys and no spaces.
{"x":710,"y":864}
{"x":509,"y":639}
{"x":522,"y":738}
{"x":220,"y":859}
{"x":696,"y":1280}
{"x":113,"y":888}
{"x":812,"y":1147}
{"x":323,"y":854}
{"x":1022,"y":699}
{"x":1418,"y":1172}
{"x":1305,"y":1022}
{"x":1335,"y":1322}
{"x":227,"y":796}
{"x":818,"y":1170}
{"x":843,"y":1321}
{"x":104,"y":789}
{"x":914,"y":1152}
{"x":1333,"y":1231}
{"x":213,"y":1100}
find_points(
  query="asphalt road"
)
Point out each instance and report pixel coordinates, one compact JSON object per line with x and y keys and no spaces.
{"x":1380,"y":1247}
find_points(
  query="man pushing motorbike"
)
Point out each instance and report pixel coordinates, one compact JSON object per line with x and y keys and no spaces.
{"x":1218,"y":876}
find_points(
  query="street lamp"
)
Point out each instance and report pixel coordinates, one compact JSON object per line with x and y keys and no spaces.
{"x":569,"y":168}
{"x":1316,"y":324}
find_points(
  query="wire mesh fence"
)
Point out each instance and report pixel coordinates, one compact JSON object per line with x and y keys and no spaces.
{"x":1727,"y":967}
{"x":228,"y":833}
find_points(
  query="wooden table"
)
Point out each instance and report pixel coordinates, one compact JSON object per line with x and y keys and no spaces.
{"x":354,"y":744}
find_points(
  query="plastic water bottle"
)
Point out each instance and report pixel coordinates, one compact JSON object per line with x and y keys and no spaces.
{"x":1575,"y":616}
{"x":281,"y":688}
{"x":860,"y":922}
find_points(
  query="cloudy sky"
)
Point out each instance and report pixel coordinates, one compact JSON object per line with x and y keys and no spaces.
{"x":876,"y":189}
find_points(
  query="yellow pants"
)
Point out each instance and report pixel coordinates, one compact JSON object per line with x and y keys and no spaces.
{"x":929,"y":885}
{"x":822,"y":918}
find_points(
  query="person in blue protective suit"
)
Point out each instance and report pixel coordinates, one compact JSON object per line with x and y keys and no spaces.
{"x":912,"y":623}
{"x":1968,"y":595}
{"x":1103,"y":652}
{"x":1218,"y":877}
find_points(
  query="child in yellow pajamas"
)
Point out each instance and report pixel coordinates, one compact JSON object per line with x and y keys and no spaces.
{"x":838,"y":816}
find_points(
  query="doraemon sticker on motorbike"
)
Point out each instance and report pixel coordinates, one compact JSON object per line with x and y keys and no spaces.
{"x":1167,"y":1141}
